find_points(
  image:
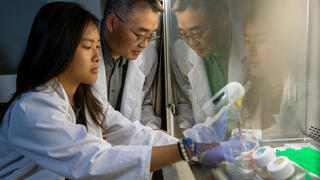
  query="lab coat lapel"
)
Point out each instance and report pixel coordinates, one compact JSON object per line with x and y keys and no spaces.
{"x":131,"y":97}
{"x":100,"y":86}
{"x":198,"y":81}
{"x":91,"y":127}
{"x":55,"y":85}
{"x":238,"y":68}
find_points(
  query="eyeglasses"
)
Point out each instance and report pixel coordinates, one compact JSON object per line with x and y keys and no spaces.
{"x":140,"y":38}
{"x":193,"y":36}
{"x":199,"y":36}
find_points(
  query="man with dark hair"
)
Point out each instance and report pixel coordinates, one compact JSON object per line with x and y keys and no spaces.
{"x":127,"y":28}
{"x":208,"y":55}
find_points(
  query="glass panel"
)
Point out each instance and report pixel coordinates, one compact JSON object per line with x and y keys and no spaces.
{"x":261,"y":44}
{"x":216,"y":42}
{"x":276,"y":53}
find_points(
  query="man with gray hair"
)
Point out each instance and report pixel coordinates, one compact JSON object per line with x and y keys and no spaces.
{"x":127,"y":28}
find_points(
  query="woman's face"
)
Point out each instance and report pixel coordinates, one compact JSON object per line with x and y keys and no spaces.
{"x":83,"y":68}
{"x":258,"y":49}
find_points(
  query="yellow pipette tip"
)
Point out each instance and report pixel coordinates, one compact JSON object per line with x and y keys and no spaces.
{"x":238,"y":102}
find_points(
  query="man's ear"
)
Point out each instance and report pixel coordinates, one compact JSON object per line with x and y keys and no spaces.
{"x":110,"y":22}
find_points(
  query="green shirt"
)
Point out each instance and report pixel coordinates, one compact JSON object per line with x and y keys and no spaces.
{"x":217,"y":71}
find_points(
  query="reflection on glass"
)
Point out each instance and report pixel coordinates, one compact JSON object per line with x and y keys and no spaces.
{"x":271,"y":102}
{"x":218,"y":42}
{"x":266,"y":75}
{"x":206,"y":57}
{"x":262,"y":44}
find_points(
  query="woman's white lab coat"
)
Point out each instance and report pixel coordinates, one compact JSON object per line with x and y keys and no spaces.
{"x":40,"y":139}
{"x":190,"y":76}
{"x":136,"y":103}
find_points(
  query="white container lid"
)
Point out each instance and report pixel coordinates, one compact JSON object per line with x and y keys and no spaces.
{"x":263,"y":156}
{"x":280,"y":168}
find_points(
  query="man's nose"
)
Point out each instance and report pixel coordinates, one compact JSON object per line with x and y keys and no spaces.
{"x":253,"y":50}
{"x":192,"y":42}
{"x":144,"y":43}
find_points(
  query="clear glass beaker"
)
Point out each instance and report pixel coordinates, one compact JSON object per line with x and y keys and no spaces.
{"x":244,"y":162}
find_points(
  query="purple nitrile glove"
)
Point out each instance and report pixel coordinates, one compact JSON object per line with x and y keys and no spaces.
{"x":231,"y":148}
{"x":236,"y":145}
{"x":213,"y":130}
{"x":212,"y":156}
{"x":227,"y":150}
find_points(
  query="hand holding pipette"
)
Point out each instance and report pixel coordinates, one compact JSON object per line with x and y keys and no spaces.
{"x":214,"y":115}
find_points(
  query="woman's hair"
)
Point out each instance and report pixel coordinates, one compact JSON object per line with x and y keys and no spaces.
{"x":54,"y":37}
{"x":259,"y":95}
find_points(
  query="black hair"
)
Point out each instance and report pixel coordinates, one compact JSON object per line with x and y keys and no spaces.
{"x":123,"y":8}
{"x":209,"y":7}
{"x":54,"y":37}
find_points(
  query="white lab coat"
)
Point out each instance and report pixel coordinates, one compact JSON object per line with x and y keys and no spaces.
{"x":40,"y":139}
{"x":189,"y":67}
{"x":136,"y":103}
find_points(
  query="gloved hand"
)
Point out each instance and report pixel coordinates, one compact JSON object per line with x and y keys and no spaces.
{"x":212,"y":156}
{"x":213,"y":130}
{"x":236,"y":145}
{"x":227,"y":150}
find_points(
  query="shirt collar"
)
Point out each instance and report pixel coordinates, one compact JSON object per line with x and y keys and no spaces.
{"x":109,"y":59}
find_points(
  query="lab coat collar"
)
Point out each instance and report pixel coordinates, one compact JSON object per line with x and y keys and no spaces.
{"x":133,"y":87}
{"x":55,"y":85}
{"x":238,"y":68}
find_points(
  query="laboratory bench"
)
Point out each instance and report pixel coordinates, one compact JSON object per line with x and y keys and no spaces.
{"x":227,"y":170}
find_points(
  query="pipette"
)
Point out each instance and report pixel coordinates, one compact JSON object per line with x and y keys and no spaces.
{"x":238,"y":104}
{"x":228,"y":95}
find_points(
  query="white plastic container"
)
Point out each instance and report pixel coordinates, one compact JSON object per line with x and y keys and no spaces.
{"x":281,"y":168}
{"x":262,"y":157}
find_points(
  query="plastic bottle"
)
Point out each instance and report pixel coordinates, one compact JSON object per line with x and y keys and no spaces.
{"x":281,"y":168}
{"x":262,"y":157}
{"x":230,"y":94}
